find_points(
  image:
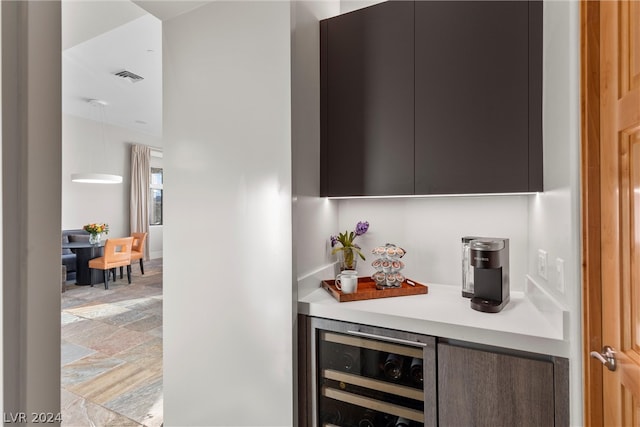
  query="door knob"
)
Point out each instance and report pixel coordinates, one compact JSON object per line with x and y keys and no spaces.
{"x":607,"y":357}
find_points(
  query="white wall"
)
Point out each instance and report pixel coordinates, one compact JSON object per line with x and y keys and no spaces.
{"x":85,"y":148}
{"x":228,"y":283}
{"x":554,"y":216}
{"x":314,"y":218}
{"x":430,"y":230}
{"x":351,"y":5}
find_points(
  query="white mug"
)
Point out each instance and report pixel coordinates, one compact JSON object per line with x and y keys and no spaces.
{"x":347,"y":281}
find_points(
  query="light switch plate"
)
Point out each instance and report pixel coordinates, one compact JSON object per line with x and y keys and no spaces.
{"x":542,"y":263}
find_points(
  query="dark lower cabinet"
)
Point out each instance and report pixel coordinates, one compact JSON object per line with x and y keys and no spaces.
{"x":353,"y":375}
{"x":484,"y":388}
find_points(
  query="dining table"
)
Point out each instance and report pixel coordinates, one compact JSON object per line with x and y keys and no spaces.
{"x":86,"y":251}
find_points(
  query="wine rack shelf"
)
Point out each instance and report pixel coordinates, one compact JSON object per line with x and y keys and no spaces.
{"x":376,"y":405}
{"x":386,"y":387}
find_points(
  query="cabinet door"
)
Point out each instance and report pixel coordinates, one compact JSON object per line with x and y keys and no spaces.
{"x":480,"y":388}
{"x":367,"y":71}
{"x":472,"y":97}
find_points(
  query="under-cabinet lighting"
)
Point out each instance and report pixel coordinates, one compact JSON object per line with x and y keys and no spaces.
{"x":423,"y":196}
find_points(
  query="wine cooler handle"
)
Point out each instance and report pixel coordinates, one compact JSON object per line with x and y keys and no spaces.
{"x":389,"y":339}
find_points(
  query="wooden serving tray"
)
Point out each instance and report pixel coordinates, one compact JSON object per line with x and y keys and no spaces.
{"x":367,"y":290}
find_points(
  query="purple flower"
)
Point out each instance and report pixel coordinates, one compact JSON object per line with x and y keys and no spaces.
{"x":334,"y":240}
{"x":362,"y":228}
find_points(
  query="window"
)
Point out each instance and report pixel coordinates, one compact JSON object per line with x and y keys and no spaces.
{"x":155,"y":195}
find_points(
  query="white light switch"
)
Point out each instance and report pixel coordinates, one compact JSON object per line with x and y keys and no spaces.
{"x":542,"y":263}
{"x":560,"y":274}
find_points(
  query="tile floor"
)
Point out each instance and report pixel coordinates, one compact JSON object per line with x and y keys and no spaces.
{"x":111,"y":352}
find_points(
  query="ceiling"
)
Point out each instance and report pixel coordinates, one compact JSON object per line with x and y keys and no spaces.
{"x":100,"y":38}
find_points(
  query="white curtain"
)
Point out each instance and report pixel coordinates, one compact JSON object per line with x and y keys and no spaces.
{"x":139,"y":206}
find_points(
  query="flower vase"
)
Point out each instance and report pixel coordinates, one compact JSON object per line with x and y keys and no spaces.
{"x":95,"y":238}
{"x":348,"y":259}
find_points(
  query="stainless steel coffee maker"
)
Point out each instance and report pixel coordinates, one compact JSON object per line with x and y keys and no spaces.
{"x":488,"y":273}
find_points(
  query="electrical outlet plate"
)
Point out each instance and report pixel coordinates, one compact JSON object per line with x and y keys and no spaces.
{"x":560,"y":275}
{"x":542,"y":263}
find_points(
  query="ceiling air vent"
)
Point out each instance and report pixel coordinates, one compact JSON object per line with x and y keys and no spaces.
{"x":129,"y":76}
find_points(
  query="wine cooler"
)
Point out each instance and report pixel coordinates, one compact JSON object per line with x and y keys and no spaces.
{"x":371,"y":377}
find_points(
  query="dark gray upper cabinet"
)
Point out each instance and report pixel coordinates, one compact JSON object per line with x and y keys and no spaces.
{"x":432,"y":97}
{"x":476,"y":123}
{"x":367,"y":101}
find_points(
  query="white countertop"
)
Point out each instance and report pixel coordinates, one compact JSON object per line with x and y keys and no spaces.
{"x":444,"y":313}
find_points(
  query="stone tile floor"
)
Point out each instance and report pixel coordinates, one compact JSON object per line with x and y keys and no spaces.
{"x":111,"y":351}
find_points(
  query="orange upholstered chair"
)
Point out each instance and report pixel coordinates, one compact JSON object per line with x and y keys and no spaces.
{"x":117,"y":253}
{"x":137,"y":251}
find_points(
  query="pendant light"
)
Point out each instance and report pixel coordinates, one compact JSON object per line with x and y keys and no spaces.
{"x":98,"y":178}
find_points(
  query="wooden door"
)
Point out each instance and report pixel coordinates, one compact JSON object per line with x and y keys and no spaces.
{"x":619,"y":214}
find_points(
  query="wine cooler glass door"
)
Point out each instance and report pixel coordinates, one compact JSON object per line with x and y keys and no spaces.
{"x":366,"y":379}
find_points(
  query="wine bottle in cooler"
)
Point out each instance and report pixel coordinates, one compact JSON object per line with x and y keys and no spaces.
{"x":329,"y":356}
{"x":415,"y":371}
{"x":388,"y":420}
{"x":394,"y":421}
{"x":350,"y":359}
{"x":370,"y":363}
{"x":402,"y":422}
{"x":368,"y":419}
{"x":393,"y":367}
{"x":331,"y":414}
